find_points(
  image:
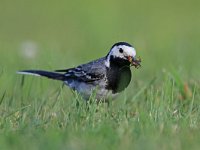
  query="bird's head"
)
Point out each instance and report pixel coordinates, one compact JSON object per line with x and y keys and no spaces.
{"x":122,"y":53}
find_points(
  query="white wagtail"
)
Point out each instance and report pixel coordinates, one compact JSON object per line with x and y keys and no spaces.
{"x":108,"y":75}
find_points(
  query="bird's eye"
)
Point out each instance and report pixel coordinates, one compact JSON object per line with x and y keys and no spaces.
{"x":121,"y":50}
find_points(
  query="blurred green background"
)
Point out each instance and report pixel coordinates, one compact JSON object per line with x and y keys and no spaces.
{"x":67,"y":33}
{"x":62,"y":34}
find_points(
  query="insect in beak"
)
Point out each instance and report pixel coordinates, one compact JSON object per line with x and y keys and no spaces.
{"x":135,"y":61}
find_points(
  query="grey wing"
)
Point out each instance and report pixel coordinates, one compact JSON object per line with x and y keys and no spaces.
{"x":88,"y":72}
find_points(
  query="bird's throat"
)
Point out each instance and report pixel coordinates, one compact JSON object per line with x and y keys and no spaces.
{"x":118,"y":75}
{"x":117,"y":61}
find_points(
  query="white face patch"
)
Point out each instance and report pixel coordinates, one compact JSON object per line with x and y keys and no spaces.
{"x":115,"y":51}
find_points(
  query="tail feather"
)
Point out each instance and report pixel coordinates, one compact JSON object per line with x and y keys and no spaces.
{"x":51,"y":75}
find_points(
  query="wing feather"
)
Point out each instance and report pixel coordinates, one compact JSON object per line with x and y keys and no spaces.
{"x":88,"y":72}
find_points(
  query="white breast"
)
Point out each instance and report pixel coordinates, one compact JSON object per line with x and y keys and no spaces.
{"x":87,"y":89}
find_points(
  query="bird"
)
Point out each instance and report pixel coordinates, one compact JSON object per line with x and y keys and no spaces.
{"x":107,"y":76}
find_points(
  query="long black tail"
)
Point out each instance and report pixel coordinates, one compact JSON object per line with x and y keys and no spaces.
{"x":51,"y":75}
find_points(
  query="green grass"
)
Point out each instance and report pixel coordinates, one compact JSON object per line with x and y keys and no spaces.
{"x":157,"y":116}
{"x":159,"y":110}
